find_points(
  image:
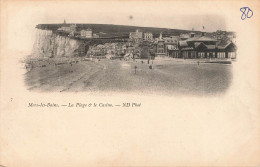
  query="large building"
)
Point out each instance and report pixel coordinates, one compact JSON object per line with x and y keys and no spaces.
{"x":136,"y":36}
{"x":69,"y":28}
{"x":160,"y":47}
{"x":184,"y":36}
{"x":171,"y":43}
{"x":206,"y":47}
{"x":86,"y":33}
{"x":148,"y":36}
{"x":173,"y":51}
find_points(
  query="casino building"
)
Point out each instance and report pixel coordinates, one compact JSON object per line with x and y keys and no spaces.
{"x":205,"y":47}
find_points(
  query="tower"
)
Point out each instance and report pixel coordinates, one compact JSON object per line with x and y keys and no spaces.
{"x":160,"y":37}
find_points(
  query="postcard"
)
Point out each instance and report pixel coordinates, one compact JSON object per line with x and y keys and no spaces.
{"x":129,"y":83}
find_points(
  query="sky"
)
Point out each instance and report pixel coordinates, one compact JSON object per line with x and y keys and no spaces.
{"x":23,"y":17}
{"x":138,"y":14}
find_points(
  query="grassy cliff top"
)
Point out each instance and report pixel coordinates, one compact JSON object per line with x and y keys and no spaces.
{"x":117,"y":29}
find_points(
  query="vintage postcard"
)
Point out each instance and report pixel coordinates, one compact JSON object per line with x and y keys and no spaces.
{"x":129,"y":83}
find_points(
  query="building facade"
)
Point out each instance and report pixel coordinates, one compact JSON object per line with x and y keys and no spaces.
{"x":175,"y":39}
{"x":136,"y":36}
{"x":68,"y":27}
{"x":148,"y":36}
{"x":86,"y":33}
{"x":173,"y":51}
{"x":206,"y":48}
{"x":184,"y":36}
{"x":160,"y":47}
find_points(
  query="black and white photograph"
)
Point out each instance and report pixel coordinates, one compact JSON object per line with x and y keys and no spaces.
{"x":129,"y":83}
{"x":77,"y":57}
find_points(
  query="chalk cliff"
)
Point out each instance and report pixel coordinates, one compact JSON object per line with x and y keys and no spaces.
{"x":49,"y":44}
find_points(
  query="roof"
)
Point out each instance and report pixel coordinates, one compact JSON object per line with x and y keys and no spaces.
{"x":187,"y":48}
{"x":200,"y":39}
{"x":136,"y":34}
{"x":183,"y":43}
{"x":172,"y":47}
{"x":225,"y":46}
{"x":86,"y":29}
{"x":211,"y":46}
{"x":197,"y":41}
{"x":197,"y":44}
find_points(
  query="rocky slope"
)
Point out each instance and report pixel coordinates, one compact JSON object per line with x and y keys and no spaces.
{"x":48,"y":44}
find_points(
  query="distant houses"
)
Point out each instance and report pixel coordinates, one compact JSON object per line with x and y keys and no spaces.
{"x":136,"y":36}
{"x":86,"y":33}
{"x":219,"y":45}
{"x":190,"y":45}
{"x":71,"y":29}
{"x":68,"y":28}
{"x":185,"y":36}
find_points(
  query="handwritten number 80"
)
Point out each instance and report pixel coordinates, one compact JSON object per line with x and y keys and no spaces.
{"x":246,"y":13}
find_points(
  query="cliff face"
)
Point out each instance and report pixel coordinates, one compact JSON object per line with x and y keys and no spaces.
{"x":48,"y":44}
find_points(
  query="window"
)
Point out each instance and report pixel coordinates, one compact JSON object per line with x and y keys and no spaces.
{"x":221,"y":55}
{"x":231,"y":55}
{"x":201,"y":54}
